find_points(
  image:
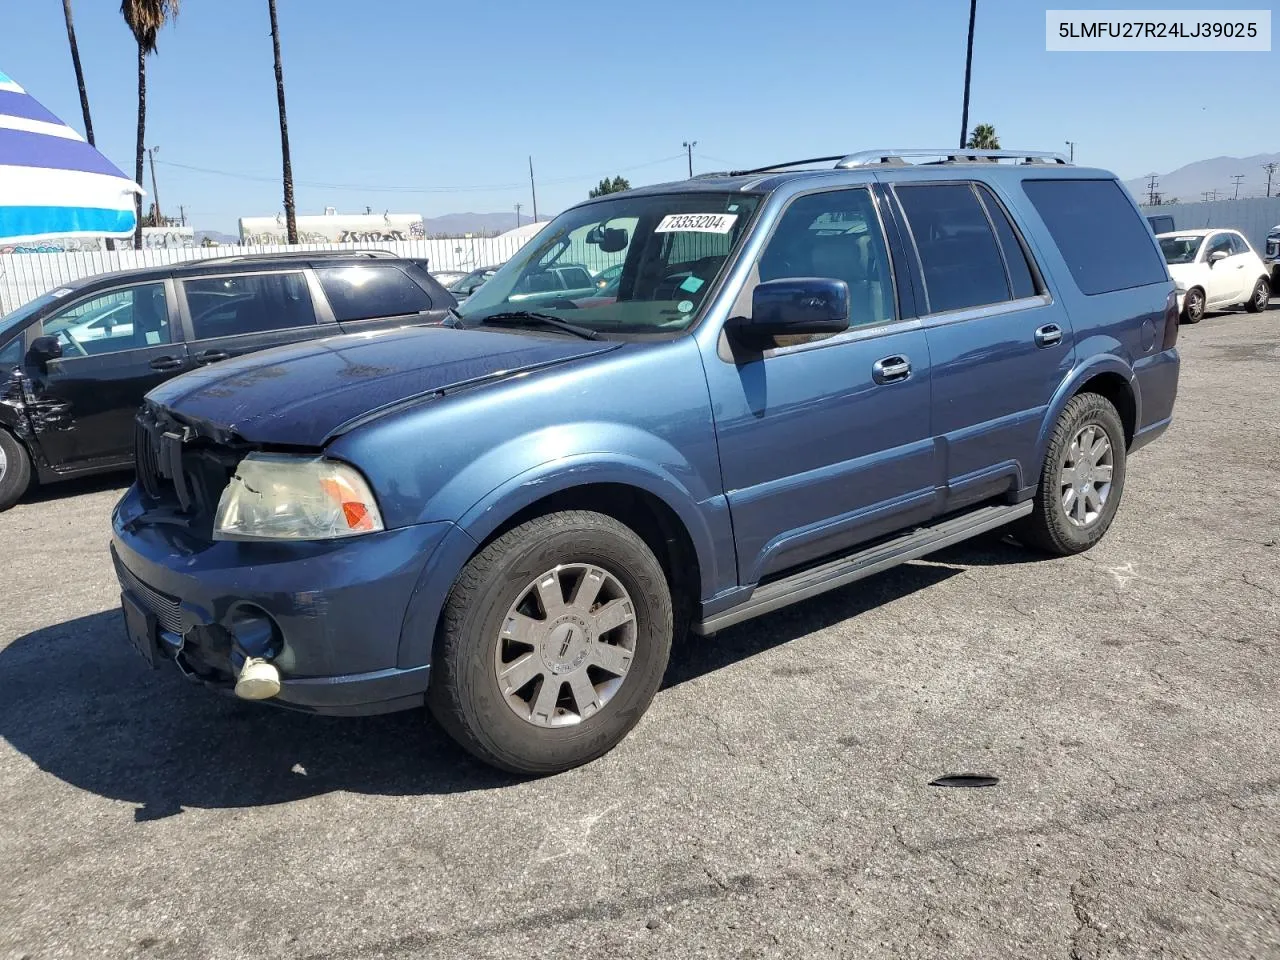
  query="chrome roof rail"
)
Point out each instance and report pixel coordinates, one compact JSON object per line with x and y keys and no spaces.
{"x":897,"y":157}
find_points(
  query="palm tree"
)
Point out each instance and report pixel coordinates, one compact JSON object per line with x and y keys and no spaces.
{"x":983,"y":138}
{"x":145,"y":18}
{"x":75,"y":60}
{"x":290,"y":215}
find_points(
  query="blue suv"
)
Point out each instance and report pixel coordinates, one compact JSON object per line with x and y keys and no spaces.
{"x":801,"y":376}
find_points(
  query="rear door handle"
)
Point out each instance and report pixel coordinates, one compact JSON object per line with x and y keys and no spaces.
{"x":165,"y":363}
{"x":891,"y":369}
{"x":1048,"y":335}
{"x":211,"y":356}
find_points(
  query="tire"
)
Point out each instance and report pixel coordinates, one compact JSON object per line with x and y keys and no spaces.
{"x":1260,"y":298}
{"x":15,"y":470}
{"x":1049,"y":527}
{"x":499,"y":594}
{"x":1193,"y":306}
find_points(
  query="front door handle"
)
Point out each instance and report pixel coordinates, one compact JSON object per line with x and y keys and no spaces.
{"x":165,"y":363}
{"x":211,"y":356}
{"x":1048,"y":335}
{"x":891,"y":369}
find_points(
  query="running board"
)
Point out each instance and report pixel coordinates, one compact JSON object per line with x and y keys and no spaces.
{"x":845,"y":570}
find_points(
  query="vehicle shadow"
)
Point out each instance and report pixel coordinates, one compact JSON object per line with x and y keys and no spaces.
{"x":78,"y":702}
{"x":43,"y":492}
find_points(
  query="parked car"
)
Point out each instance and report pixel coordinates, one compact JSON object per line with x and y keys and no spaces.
{"x":76,"y":362}
{"x":1272,"y":257}
{"x":1214,"y":270}
{"x":809,"y":376}
{"x":471,"y":282}
{"x":447,"y":278}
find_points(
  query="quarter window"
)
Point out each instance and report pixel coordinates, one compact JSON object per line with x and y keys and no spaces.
{"x":959,"y":254}
{"x":229,"y":306}
{"x":1102,"y":238}
{"x":124,"y":319}
{"x":11,"y":355}
{"x":835,"y":235}
{"x":369,"y":292}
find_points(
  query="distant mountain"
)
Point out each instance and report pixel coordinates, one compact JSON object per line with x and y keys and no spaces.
{"x":215,"y":237}
{"x":1189,"y":183}
{"x":457,"y":224}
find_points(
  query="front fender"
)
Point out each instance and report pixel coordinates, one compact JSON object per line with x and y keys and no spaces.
{"x":651,"y":465}
{"x":1094,"y":366}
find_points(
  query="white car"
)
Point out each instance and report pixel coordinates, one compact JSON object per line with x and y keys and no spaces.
{"x":1213,"y":270}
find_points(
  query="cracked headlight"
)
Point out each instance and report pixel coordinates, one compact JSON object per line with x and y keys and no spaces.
{"x":283,"y":497}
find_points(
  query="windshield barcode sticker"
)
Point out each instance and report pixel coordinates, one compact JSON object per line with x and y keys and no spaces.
{"x":697,"y":223}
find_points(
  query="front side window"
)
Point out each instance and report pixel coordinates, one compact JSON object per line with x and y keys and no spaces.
{"x":670,"y":250}
{"x":123,"y":319}
{"x":837,"y":236}
{"x":1219,"y":243}
{"x":1239,"y":244}
{"x":368,"y":292}
{"x":253,"y":303}
{"x":1180,"y":249}
{"x":1102,"y":238}
{"x":958,"y":252}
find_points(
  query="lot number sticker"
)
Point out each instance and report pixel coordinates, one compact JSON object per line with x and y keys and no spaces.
{"x":697,"y":223}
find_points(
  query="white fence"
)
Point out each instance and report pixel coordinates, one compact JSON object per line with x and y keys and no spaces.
{"x":25,"y":276}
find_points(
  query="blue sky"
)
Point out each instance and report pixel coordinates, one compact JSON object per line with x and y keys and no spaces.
{"x":437,"y":105}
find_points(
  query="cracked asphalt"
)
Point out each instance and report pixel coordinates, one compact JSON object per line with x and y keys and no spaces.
{"x":774,"y":801}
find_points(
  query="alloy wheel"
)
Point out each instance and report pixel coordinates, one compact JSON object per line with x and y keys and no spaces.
{"x":1261,"y":295}
{"x":566,"y":645}
{"x":1085,"y":481}
{"x":1195,"y":306}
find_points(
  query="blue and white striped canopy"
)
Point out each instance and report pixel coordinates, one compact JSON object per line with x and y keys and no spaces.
{"x":53,"y":183}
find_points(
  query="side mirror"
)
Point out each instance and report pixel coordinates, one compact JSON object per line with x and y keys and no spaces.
{"x":44,"y":349}
{"x":792,"y":306}
{"x":1216,"y":256}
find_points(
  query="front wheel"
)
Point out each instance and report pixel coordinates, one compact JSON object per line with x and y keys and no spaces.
{"x":1260,"y":297}
{"x":15,"y":470}
{"x":553,"y":642}
{"x":1082,"y":479}
{"x":1193,"y":306}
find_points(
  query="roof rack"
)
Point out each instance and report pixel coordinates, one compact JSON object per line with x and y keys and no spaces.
{"x":300,"y":254}
{"x":897,"y":158}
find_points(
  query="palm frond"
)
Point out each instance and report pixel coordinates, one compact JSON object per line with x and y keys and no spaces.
{"x":146,"y":17}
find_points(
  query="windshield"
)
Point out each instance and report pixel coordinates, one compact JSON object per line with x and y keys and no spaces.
{"x":635,"y":264}
{"x":18,"y":318}
{"x":1180,"y":249}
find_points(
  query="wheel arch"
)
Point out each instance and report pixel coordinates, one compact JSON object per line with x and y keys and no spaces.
{"x":1108,"y":376}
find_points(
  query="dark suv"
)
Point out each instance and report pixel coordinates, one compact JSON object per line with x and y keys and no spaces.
{"x":76,"y":362}
{"x":802,"y":378}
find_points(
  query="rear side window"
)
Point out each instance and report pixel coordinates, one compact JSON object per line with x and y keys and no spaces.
{"x":959,"y":255}
{"x":254,"y":303}
{"x":1100,"y":235}
{"x":369,"y":292}
{"x":1015,"y":257}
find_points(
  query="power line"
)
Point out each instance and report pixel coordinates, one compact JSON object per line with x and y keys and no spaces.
{"x":474,"y":188}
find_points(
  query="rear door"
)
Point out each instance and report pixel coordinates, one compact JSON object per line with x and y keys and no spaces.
{"x":371,"y":296}
{"x":231,"y":314}
{"x":999,"y":345}
{"x":116,"y":345}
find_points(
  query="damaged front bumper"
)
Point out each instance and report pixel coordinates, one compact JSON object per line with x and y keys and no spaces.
{"x":327,"y":614}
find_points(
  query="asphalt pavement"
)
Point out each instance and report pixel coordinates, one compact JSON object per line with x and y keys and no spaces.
{"x":775,"y":801}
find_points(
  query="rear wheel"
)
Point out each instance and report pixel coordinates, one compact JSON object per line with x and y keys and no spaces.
{"x":554,"y":640}
{"x":1260,"y":297}
{"x":15,"y":470}
{"x":1082,"y":479}
{"x":1193,"y":306}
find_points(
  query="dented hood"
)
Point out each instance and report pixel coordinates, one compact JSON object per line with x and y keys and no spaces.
{"x":304,"y":394}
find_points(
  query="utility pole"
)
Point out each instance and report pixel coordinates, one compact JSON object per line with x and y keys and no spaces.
{"x":155,"y":191}
{"x":1237,"y":178}
{"x":533,"y":187}
{"x":182,"y":212}
{"x":688,"y":146}
{"x":1072,"y":145}
{"x":518,"y":206}
{"x":1153,"y":181}
{"x":1271,"y":169}
{"x":968,"y":72}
